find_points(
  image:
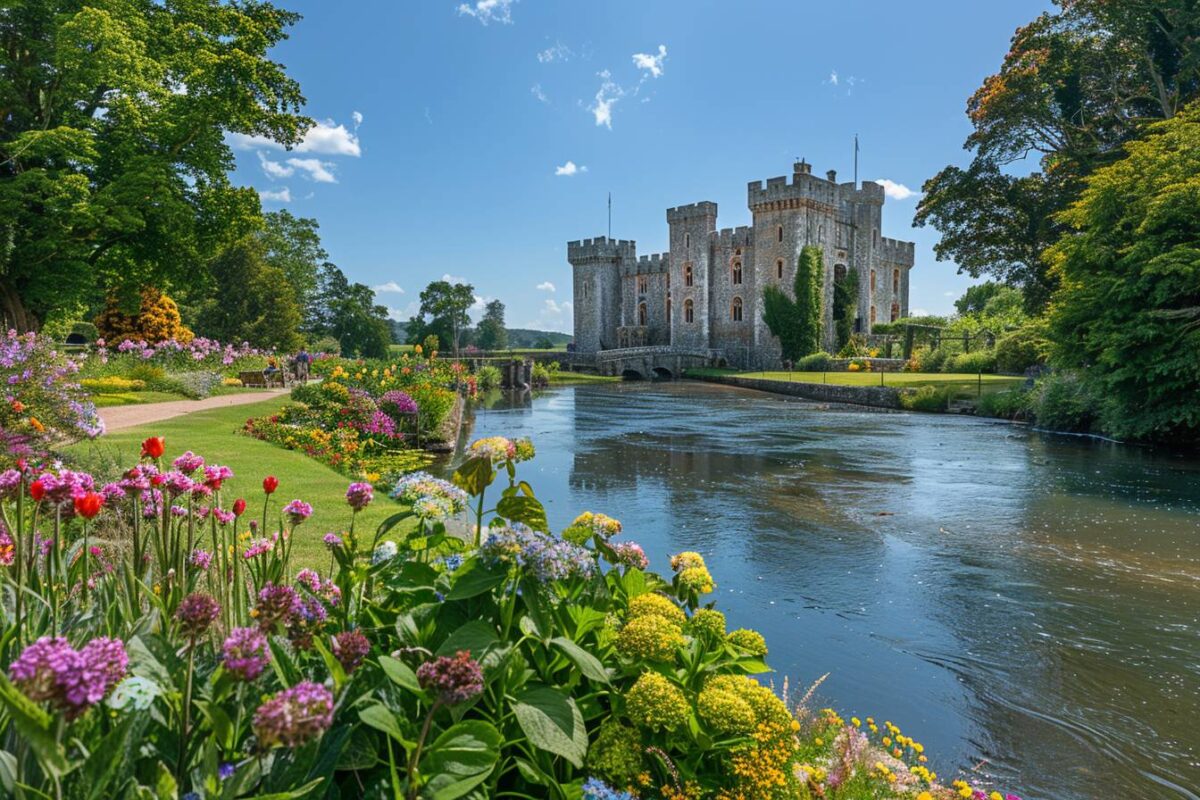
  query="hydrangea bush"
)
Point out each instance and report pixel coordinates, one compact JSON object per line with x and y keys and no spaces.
{"x":160,"y":641}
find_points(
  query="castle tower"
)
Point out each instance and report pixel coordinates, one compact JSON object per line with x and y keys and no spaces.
{"x":597,"y":265}
{"x":688,"y":299}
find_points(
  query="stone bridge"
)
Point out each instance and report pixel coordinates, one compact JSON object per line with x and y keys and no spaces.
{"x":665,"y":362}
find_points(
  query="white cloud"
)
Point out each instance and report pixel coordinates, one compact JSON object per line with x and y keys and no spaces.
{"x":390,"y":286}
{"x":559,"y":52}
{"x":833,"y":78}
{"x":568,"y":169}
{"x":316,"y":169}
{"x":949,"y":294}
{"x":546,"y":286}
{"x":918,"y":312}
{"x":283,"y":195}
{"x":406,"y":313}
{"x":357,"y":117}
{"x":453,"y":278}
{"x":897,"y":191}
{"x":273,"y":169}
{"x":536,"y":91}
{"x":488,"y":11}
{"x":653,"y":64}
{"x":326,"y":138}
{"x":606,"y":96}
{"x":553,"y":316}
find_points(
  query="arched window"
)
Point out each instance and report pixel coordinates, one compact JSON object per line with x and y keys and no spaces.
{"x":585,"y":290}
{"x":735,"y":310}
{"x":642,"y":283}
{"x":641,"y":313}
{"x":779,"y":269}
{"x":736,"y":273}
{"x":687,"y":274}
{"x":779,"y":234}
{"x":872,"y":315}
{"x":839,"y":273}
{"x":668,"y":310}
{"x":688,"y":311}
{"x":895,"y":281}
{"x":872,"y":281}
{"x":895,"y":311}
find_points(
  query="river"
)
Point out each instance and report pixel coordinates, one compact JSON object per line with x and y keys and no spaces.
{"x":1025,"y":605}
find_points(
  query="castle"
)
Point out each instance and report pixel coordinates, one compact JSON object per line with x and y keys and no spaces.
{"x":706,"y":292}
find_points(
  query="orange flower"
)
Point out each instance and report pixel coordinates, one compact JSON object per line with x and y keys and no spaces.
{"x":17,"y":406}
{"x":37,"y":425}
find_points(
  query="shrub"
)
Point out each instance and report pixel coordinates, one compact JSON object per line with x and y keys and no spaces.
{"x":975,"y":362}
{"x":233,"y":383}
{"x":1066,"y":401}
{"x":488,"y":377}
{"x":195,"y":385}
{"x":933,"y":360}
{"x":327,"y":346}
{"x":435,"y":404}
{"x":925,"y":398}
{"x":1023,"y":348}
{"x":146,"y":373}
{"x":1008,"y":404}
{"x":156,"y":319}
{"x":540,"y":376}
{"x":112,"y":385}
{"x":815,"y":362}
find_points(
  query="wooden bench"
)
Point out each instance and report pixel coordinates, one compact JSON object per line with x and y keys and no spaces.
{"x":259,"y":378}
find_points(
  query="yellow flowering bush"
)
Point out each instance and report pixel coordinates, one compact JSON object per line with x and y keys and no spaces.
{"x":707,"y":622}
{"x":654,"y":604}
{"x":725,"y":712}
{"x":655,"y":703}
{"x":750,"y":641}
{"x":650,"y":637}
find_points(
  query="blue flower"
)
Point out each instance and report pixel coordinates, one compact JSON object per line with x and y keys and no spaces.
{"x":595,"y":789}
{"x":226,"y":770}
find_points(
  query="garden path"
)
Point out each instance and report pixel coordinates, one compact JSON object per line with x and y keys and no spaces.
{"x":118,"y":417}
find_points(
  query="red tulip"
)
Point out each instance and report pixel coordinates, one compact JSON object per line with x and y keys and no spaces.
{"x":239,"y":507}
{"x":270,"y":484}
{"x":37,"y":490}
{"x":158,"y":480}
{"x":88,"y":505}
{"x":153,"y":447}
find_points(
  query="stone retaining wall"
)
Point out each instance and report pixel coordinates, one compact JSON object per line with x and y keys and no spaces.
{"x":873,"y":396}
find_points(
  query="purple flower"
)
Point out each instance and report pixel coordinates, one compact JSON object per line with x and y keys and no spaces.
{"x":195,"y":613}
{"x":245,"y":653}
{"x":188,"y":463}
{"x":201,"y":559}
{"x":51,"y":670}
{"x":350,"y":648}
{"x":294,"y":716}
{"x":309,"y":618}
{"x":454,"y":680}
{"x":397,"y":403}
{"x":630,"y":554}
{"x":257,"y":548}
{"x":223,"y":517}
{"x":545,"y":558}
{"x":10,"y":484}
{"x":277,"y":605}
{"x":298,"y":511}
{"x":309,"y":579}
{"x":113,"y":493}
{"x":177,"y":483}
{"x":332,"y":541}
{"x":360,"y":495}
{"x":226,"y":770}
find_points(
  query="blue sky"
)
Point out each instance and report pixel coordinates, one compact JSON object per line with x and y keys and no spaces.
{"x":474,"y":140}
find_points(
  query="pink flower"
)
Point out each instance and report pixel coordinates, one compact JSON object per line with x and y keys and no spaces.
{"x":294,"y":716}
{"x":298,"y":511}
{"x":245,"y":653}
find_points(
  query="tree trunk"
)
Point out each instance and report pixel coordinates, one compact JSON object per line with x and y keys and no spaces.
{"x":13,"y":314}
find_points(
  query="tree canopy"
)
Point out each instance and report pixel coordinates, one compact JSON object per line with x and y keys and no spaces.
{"x":491,"y":334}
{"x":443,"y":313}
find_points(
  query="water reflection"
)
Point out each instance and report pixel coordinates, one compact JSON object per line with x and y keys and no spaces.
{"x":1022,"y":603}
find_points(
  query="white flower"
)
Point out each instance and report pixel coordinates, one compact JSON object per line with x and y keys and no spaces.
{"x":386,"y":551}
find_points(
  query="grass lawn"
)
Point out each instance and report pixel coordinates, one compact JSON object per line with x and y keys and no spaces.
{"x":133,"y":398}
{"x":908,"y":380}
{"x":564,"y":376}
{"x":213,"y":435}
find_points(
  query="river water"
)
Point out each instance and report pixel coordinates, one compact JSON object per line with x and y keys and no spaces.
{"x":1025,"y":605}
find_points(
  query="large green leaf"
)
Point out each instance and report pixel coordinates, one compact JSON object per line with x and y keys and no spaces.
{"x":476,"y":637}
{"x":400,"y":674}
{"x":474,"y":475}
{"x":551,"y":721}
{"x":588,"y":664}
{"x":474,"y":578}
{"x":33,"y":724}
{"x":381,"y":718}
{"x":460,"y":759}
{"x":529,"y":510}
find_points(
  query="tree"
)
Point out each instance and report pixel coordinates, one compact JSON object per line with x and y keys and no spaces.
{"x":976,"y":297}
{"x":347,"y":312}
{"x":845,"y":308}
{"x":446,"y":306}
{"x":1128,"y":308}
{"x":249,"y":300}
{"x":797,"y":322}
{"x":293,"y":245}
{"x":113,"y":159}
{"x":492,"y":334}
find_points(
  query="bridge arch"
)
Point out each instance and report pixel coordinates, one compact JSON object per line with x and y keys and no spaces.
{"x":662,"y":373}
{"x":631,"y":374}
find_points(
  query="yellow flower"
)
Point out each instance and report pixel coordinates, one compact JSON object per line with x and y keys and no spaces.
{"x":995,"y":796}
{"x":924,"y":796}
{"x":819,"y":741}
{"x":856,"y":722}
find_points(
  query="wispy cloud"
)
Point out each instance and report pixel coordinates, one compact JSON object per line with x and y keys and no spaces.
{"x":325,"y":138}
{"x":452,"y":278}
{"x":488,"y":11}
{"x":653,"y":64}
{"x":897,"y":191}
{"x":546,"y":286}
{"x":842,"y":81}
{"x":558,"y":52}
{"x":281,"y":195}
{"x":390,"y":286}
{"x":568,"y":169}
{"x":553,"y":316}
{"x":273,"y":169}
{"x":606,"y":97}
{"x":536,"y":91}
{"x":314,"y":169}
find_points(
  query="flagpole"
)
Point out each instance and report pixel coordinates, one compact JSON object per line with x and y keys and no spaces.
{"x":610,"y":215}
{"x":856,"y":161}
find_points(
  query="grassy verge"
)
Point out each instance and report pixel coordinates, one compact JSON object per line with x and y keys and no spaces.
{"x":903,"y":380}
{"x":134,"y":398}
{"x":580,"y":377}
{"x":214,"y":435}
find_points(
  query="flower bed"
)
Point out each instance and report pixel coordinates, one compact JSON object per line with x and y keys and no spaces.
{"x":522,"y":663}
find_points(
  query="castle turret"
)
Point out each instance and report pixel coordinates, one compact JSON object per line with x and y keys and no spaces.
{"x":688,"y":298}
{"x":597,"y":265}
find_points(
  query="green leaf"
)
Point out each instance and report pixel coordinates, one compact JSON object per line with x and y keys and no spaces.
{"x":285,"y":666}
{"x":400,"y":674}
{"x":528,"y":510}
{"x":474,"y":578}
{"x":379,"y":717}
{"x":476,"y":637}
{"x":460,"y":759}
{"x":390,"y":523}
{"x":336,"y":670}
{"x":474,"y":475}
{"x":551,"y":721}
{"x":294,"y":794}
{"x":33,"y":724}
{"x":8,"y":772}
{"x":588,"y":664}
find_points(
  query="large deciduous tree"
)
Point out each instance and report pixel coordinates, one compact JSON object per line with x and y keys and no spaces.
{"x":113,"y":160}
{"x":250,"y":299}
{"x":443,"y":313}
{"x":492,"y":334}
{"x":348,"y":312}
{"x":796,"y":321}
{"x":1128,"y":307}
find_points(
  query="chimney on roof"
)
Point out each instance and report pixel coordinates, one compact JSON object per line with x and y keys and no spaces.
{"x":802,"y":167}
{"x":831,"y":175}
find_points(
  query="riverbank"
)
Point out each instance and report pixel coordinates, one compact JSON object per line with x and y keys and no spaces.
{"x":884,"y":397}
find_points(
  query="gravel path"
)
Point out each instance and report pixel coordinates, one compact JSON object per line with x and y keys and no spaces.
{"x":119,"y":417}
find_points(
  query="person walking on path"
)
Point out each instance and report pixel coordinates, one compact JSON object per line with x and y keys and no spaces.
{"x":303,"y":362}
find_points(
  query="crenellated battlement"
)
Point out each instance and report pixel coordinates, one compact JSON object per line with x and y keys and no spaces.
{"x":896,"y":251}
{"x":602,"y":249}
{"x":741,"y":236}
{"x":654,"y":264}
{"x":705,"y":208}
{"x":804,"y":186}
